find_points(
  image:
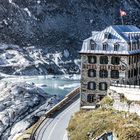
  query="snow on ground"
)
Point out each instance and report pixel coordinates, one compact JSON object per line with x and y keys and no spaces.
{"x":5,"y":21}
{"x":13,"y":57}
{"x":69,"y":86}
{"x":38,"y":1}
{"x":27,"y":10}
{"x":35,"y":61}
{"x":19,"y":127}
{"x":72,"y":77}
{"x":21,"y":105}
{"x":57,"y":57}
{"x":11,"y":1}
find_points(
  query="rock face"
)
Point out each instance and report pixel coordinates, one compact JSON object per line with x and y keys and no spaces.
{"x":60,"y":25}
{"x":36,"y":61}
{"x":21,"y":103}
{"x":54,"y":21}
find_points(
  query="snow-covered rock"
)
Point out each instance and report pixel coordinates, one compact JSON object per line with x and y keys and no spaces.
{"x":20,"y":104}
{"x":35,"y":61}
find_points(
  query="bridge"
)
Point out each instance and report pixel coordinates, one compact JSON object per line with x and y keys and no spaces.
{"x":52,"y":126}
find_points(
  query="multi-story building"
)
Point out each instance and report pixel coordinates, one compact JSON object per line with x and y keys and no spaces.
{"x":111,"y":55}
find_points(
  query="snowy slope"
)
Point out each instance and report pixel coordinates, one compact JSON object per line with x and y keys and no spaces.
{"x":36,"y":61}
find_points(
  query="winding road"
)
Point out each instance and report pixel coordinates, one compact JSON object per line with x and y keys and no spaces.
{"x":54,"y":128}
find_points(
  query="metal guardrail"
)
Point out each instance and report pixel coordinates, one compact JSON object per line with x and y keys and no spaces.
{"x":125,"y":85}
{"x":57,"y":107}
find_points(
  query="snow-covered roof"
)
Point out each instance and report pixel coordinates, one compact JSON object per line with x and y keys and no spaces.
{"x":120,"y":34}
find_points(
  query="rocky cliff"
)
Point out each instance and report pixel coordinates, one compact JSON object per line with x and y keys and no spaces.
{"x":59,"y":25}
{"x":21,"y":105}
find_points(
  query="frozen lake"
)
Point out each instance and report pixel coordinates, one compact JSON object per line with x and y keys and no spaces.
{"x":54,"y":85}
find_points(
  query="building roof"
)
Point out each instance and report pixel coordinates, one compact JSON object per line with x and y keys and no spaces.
{"x":120,"y":34}
{"x":126,"y":30}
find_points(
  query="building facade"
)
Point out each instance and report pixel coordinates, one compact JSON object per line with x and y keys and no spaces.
{"x":109,"y":56}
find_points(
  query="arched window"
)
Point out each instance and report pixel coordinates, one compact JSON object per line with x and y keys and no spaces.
{"x":103,"y":86}
{"x":116,"y":47}
{"x":104,"y":60}
{"x":92,"y":45}
{"x":115,"y":60}
{"x":91,"y":73}
{"x":92,"y":59}
{"x":105,"y":46}
{"x":132,"y":72}
{"x":129,"y":74}
{"x":135,"y":72}
{"x":91,"y":85}
{"x":115,"y":74}
{"x":103,"y":73}
{"x":91,"y":98}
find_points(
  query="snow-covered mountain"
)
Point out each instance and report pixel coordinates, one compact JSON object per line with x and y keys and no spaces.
{"x":59,"y":26}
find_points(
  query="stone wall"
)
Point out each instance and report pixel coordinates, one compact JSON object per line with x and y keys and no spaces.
{"x":125,"y":99}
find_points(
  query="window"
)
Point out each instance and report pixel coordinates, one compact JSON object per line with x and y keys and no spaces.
{"x":91,"y":73}
{"x":134,"y":45}
{"x":135,"y":72}
{"x":114,"y":74}
{"x":103,"y":73}
{"x":115,"y":60}
{"x":135,"y":59}
{"x":103,"y":86}
{"x":107,"y":35}
{"x":129,"y":60}
{"x":104,"y":60}
{"x":130,"y":47}
{"x":116,"y":47}
{"x":132,"y":72}
{"x":129,"y":74}
{"x":91,"y":98}
{"x":105,"y":46}
{"x":91,"y":85}
{"x":92,"y":59}
{"x":92,"y":45}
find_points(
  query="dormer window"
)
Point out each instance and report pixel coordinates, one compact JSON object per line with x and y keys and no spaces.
{"x":116,"y":47}
{"x":105,"y":46}
{"x":134,"y":45}
{"x":92,"y":45}
{"x":107,"y":35}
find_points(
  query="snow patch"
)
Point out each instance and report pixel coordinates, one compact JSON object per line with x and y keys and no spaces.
{"x":38,"y":1}
{"x":57,"y":58}
{"x":66,"y":53}
{"x":72,"y":77}
{"x":11,"y":1}
{"x":5,"y":22}
{"x":28,"y":12}
{"x":18,"y":128}
{"x":69,"y":86}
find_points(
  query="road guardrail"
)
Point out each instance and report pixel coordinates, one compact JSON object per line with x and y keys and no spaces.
{"x":55,"y":108}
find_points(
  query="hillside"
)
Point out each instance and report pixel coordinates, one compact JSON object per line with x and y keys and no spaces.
{"x":87,"y":125}
{"x":60,"y":26}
